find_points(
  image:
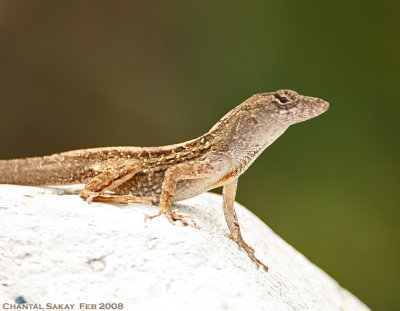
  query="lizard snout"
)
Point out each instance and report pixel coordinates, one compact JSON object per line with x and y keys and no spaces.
{"x":323,"y":104}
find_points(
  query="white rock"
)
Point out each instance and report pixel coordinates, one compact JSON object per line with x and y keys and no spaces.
{"x":58,"y":249}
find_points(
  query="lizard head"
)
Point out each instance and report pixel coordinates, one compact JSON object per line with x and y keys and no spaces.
{"x":290,"y":107}
{"x":264,"y":117}
{"x":245,"y":131}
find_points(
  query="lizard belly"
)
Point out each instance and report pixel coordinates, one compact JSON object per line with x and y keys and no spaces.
{"x":150,"y":185}
{"x":189,"y":188}
{"x":144,"y":186}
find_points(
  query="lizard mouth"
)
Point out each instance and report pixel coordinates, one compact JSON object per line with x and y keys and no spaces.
{"x":315,"y":106}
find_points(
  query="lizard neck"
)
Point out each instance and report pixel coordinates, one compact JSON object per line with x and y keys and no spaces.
{"x":247,"y":151}
{"x":244,"y":136}
{"x":244,"y":154}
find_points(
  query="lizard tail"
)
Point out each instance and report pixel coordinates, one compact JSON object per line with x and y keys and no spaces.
{"x":49,"y":170}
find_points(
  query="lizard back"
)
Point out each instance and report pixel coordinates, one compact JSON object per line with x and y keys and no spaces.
{"x":79,"y":166}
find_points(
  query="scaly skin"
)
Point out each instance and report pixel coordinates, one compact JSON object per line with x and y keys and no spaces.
{"x":171,"y":173}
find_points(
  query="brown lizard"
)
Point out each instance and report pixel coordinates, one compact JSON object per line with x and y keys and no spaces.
{"x":176,"y":172}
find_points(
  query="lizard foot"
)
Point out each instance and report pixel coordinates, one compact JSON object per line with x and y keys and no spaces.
{"x":173,"y":216}
{"x":250,"y":252}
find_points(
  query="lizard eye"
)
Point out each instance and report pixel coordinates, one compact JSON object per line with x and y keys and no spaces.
{"x":283,"y":100}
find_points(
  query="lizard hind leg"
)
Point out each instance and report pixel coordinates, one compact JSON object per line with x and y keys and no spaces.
{"x":112,"y":174}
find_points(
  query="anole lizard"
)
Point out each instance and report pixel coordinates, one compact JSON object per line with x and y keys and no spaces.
{"x":176,"y":172}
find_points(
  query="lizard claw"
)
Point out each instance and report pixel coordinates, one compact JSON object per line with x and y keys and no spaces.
{"x":173,"y":216}
{"x":250,"y":252}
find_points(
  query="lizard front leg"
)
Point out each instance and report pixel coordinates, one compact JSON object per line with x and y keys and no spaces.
{"x":189,"y":170}
{"x":229,"y":193}
{"x":213,"y":165}
{"x":112,"y":174}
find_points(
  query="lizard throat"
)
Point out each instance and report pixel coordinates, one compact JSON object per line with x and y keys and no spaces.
{"x":242,"y":163}
{"x":245,"y":157}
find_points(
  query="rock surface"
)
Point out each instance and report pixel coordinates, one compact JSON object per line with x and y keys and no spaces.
{"x":55,"y":248}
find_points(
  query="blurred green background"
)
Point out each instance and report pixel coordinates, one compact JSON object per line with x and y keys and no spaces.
{"x":79,"y":74}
